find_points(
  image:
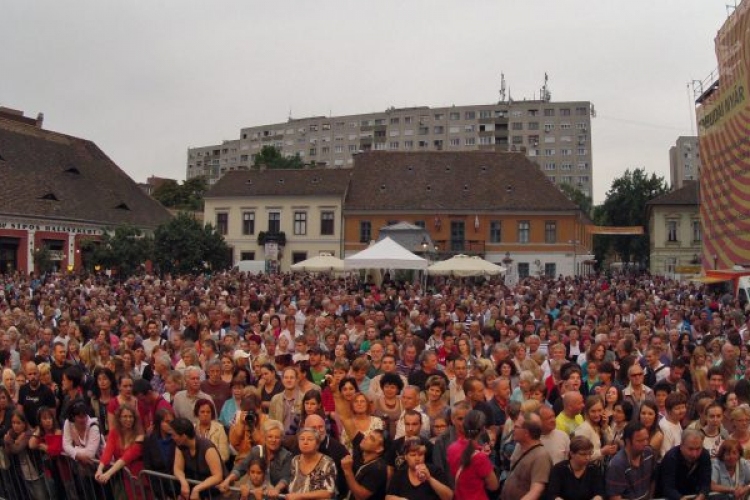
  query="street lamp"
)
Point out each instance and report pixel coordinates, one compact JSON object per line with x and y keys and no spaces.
{"x":507,"y":262}
{"x":575,"y":244}
{"x":716,"y":261}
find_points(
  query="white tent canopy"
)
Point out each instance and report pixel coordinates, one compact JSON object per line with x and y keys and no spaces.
{"x":320,"y":263}
{"x":385,"y":254}
{"x":464,"y":265}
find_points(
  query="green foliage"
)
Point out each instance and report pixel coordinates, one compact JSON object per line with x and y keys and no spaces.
{"x":42,"y":260}
{"x":578,"y":197}
{"x":279,"y":238}
{"x":271,"y":157}
{"x":125,"y":250}
{"x":183,"y":245}
{"x":625,"y":205}
{"x":188,"y":196}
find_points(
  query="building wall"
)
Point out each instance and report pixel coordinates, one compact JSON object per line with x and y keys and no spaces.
{"x":556,"y":135}
{"x":312,"y":243}
{"x":563,"y":252}
{"x":684,"y":161}
{"x":674,"y":256}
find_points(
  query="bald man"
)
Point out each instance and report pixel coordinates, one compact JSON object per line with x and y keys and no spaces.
{"x":570,"y":417}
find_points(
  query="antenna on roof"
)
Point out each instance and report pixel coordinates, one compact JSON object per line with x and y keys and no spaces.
{"x":290,"y":113}
{"x":502,"y":87}
{"x":544,"y":94}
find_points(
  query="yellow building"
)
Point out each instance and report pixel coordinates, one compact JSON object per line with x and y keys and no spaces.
{"x":497,"y":205}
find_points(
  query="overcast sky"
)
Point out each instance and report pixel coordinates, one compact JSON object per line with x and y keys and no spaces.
{"x":146,"y":80}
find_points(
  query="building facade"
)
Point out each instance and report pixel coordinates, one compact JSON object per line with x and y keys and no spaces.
{"x":281,"y":216}
{"x":684,"y":161}
{"x":675,"y":232}
{"x":57,"y":193}
{"x":555,"y":135}
{"x":499,"y":206}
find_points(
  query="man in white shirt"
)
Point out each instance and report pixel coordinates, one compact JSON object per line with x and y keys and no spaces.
{"x":555,"y":441}
{"x":410,"y":401}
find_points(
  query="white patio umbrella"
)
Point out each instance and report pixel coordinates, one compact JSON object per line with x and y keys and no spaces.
{"x":464,"y":265}
{"x":320,"y":263}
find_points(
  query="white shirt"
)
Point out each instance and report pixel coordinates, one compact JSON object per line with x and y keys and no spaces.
{"x":557,"y":444}
{"x":426,"y":428}
{"x":672,"y":435}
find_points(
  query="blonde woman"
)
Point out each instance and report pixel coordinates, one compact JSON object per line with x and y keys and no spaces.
{"x":9,"y":382}
{"x":699,"y":368}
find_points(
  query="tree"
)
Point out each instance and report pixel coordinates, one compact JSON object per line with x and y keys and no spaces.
{"x":183,"y":245}
{"x":271,"y":158}
{"x":578,"y":197}
{"x":187,"y":196}
{"x":625,"y":205}
{"x":125,"y":249}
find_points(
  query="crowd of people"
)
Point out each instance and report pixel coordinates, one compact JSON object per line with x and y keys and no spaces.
{"x":318,"y":387}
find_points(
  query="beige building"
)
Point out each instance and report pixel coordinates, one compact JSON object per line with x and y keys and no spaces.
{"x":284,"y":216}
{"x":684,"y":161}
{"x":555,"y":135}
{"x":675,"y":232}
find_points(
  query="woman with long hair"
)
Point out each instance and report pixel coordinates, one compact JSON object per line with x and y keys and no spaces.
{"x":596,"y":429}
{"x":159,"y":447}
{"x":124,"y":448}
{"x":231,"y":406}
{"x":103,"y":391}
{"x":227,"y":368}
{"x":124,"y":397}
{"x":269,"y":384}
{"x":649,"y":416}
{"x":611,"y":397}
{"x":469,"y":464}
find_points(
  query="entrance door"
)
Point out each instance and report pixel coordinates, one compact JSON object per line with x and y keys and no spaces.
{"x":9,"y":254}
{"x":458,"y":232}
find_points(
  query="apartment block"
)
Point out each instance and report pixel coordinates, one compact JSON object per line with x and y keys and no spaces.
{"x":684,"y":161}
{"x":555,"y":135}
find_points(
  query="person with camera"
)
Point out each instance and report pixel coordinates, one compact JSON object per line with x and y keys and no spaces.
{"x":246,"y":431}
{"x":418,"y":480}
{"x":278,"y":461}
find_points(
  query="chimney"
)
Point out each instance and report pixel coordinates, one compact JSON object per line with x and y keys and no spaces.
{"x":39,"y":120}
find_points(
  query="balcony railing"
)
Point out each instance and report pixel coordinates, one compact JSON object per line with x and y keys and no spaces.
{"x":454,"y":247}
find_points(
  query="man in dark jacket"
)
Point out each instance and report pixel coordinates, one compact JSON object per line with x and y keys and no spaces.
{"x":686,"y":469}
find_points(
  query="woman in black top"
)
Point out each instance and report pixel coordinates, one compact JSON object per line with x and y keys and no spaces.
{"x":576,"y":478}
{"x":418,"y":481}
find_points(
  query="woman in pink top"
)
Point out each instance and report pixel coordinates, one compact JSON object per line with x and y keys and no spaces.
{"x":469,"y":464}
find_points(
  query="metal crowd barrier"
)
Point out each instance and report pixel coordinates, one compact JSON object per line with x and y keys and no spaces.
{"x":35,"y":476}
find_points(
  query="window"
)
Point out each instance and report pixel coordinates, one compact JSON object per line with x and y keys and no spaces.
{"x":338,"y":149}
{"x":439,"y":116}
{"x":313,"y":151}
{"x":495,"y":231}
{"x":549,"y":112}
{"x":394,"y":120}
{"x":438,"y":129}
{"x":696,"y":226}
{"x":672,"y":230}
{"x":524,"y":228}
{"x":517,"y":126}
{"x":222,"y":223}
{"x":564,"y":111}
{"x":420,"y":223}
{"x":455,"y":141}
{"x":408,"y":144}
{"x":549,"y":152}
{"x":486,"y":140}
{"x":566,"y":152}
{"x":274,"y":222}
{"x":550,"y":268}
{"x":393,"y":145}
{"x":485,"y":113}
{"x":469,"y":128}
{"x":582,"y":111}
{"x":247,"y":255}
{"x":248,"y":224}
{"x":407,"y":119}
{"x":581,"y":152}
{"x":548,"y":127}
{"x":325,"y":150}
{"x":300,"y":223}
{"x":327,"y":223}
{"x":550,"y":231}
{"x":470,"y":141}
{"x":533,"y":125}
{"x":470,"y":115}
{"x":523,"y":269}
{"x":365,"y":231}
{"x":517,"y":139}
{"x":298,"y":257}
{"x":533,"y":112}
{"x":352,"y":148}
{"x":550,"y":165}
{"x":454,"y":115}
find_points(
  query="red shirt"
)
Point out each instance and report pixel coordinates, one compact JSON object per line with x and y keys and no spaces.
{"x":470,"y":484}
